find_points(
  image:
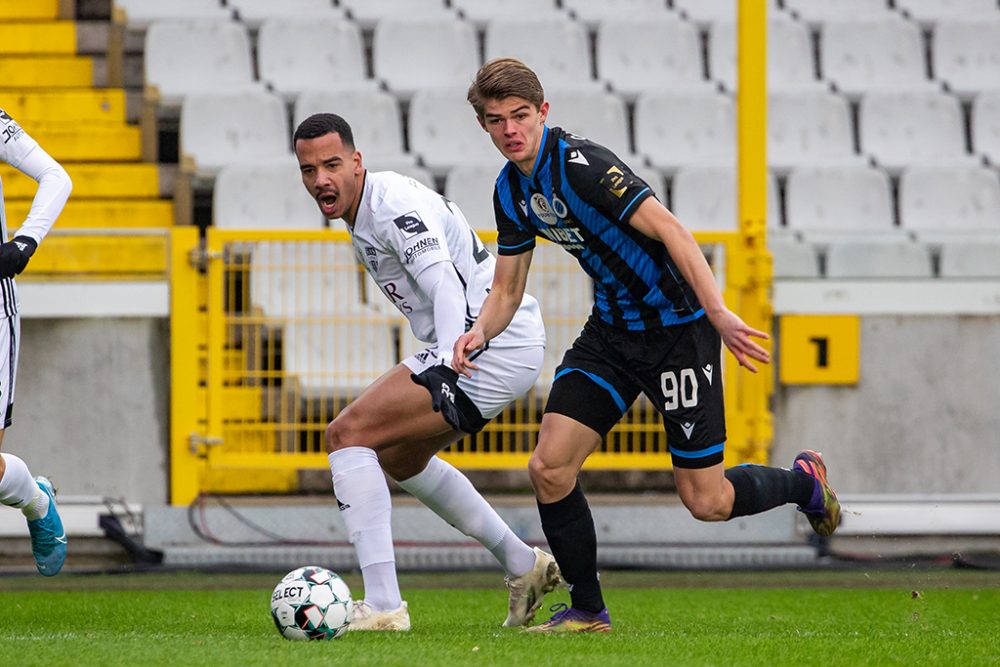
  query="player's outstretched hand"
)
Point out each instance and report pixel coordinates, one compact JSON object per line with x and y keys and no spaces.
{"x":467,"y":343}
{"x":738,"y":337}
{"x":14,"y":255}
{"x":442,"y":382}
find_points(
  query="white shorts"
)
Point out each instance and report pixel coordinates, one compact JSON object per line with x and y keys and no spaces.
{"x":505,"y":374}
{"x":10,"y":346}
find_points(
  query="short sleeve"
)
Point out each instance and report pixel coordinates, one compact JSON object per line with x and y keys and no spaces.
{"x":15,"y":143}
{"x":604,"y":181}
{"x":512,"y":238}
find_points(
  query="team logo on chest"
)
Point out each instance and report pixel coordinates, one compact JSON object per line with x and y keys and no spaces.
{"x":372,"y":256}
{"x":540,"y":207}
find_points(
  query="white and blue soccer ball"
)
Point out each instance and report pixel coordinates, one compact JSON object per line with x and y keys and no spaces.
{"x":311,"y":603}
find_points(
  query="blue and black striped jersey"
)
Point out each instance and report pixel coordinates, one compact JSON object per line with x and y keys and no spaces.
{"x":581,"y":196}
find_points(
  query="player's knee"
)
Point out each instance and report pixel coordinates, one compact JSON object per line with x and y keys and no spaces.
{"x":706,"y":507}
{"x":341,"y":433}
{"x":550,"y":480}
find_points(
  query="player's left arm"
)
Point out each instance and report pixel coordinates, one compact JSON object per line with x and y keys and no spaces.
{"x":54,"y":186}
{"x":440,"y":282}
{"x":655,"y":221}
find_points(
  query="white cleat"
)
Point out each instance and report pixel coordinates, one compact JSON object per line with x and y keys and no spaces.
{"x":366,"y":618}
{"x":528,"y":590}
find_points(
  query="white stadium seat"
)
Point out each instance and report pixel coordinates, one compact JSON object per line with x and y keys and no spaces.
{"x":986,"y":125}
{"x":256,"y":12}
{"x":815,"y":12}
{"x":471,"y":187}
{"x":218,"y":129}
{"x":859,"y":56}
{"x":197,"y":56}
{"x":950,"y":198}
{"x":444,"y":131}
{"x":369,"y":12}
{"x":140,"y":14}
{"x":636,"y":54}
{"x":790,"y":62}
{"x":417,"y":53}
{"x":970,"y":260}
{"x":595,"y":13}
{"x":557,"y":49}
{"x":704,"y":12}
{"x":299,"y":278}
{"x":903,"y":128}
{"x":336,"y":354}
{"x":868,"y":260}
{"x":317,"y":53}
{"x":595,"y":114}
{"x":705,"y":199}
{"x":373,"y":115}
{"x":792,"y":259}
{"x":809,"y":128}
{"x":404,"y":166}
{"x":928,"y":12}
{"x":685,"y":128}
{"x":847,"y":200}
{"x":263,"y":195}
{"x":966,"y":54}
{"x":481,"y":12}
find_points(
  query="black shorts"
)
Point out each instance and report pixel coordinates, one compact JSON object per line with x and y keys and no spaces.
{"x":679,"y":368}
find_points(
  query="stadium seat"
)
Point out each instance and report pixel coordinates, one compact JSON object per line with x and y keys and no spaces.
{"x":846,"y":200}
{"x":418,"y":53}
{"x":444,"y":132}
{"x":471,"y":187}
{"x":373,"y":114}
{"x":480,"y":13}
{"x":928,"y":12}
{"x":704,"y":12}
{"x":986,"y":125}
{"x":950,"y":198}
{"x":902,"y":128}
{"x":966,"y":54}
{"x":595,"y":13}
{"x":809,"y":128}
{"x":299,"y":278}
{"x":318,"y":53}
{"x":689,"y":128}
{"x":336,"y":355}
{"x":649,"y":53}
{"x":704,"y":199}
{"x":792,"y":259}
{"x":263,"y":195}
{"x":595,"y":114}
{"x":369,"y":12}
{"x":816,"y":12}
{"x":868,"y":260}
{"x":789,"y":55}
{"x":405,"y":166}
{"x":218,"y":129}
{"x":140,"y":14}
{"x":255,"y":12}
{"x":557,"y":49}
{"x":970,"y":260}
{"x":184,"y":57}
{"x":884,"y":54}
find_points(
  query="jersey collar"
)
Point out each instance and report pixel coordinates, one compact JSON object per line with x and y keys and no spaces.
{"x":543,"y":148}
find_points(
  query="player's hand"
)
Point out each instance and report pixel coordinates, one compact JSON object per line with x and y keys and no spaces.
{"x":467,"y":343}
{"x":738,"y":337}
{"x":14,"y":255}
{"x":442,"y":382}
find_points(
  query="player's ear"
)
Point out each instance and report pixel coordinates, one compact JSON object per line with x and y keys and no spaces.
{"x":482,"y":123}
{"x":358,"y":162}
{"x":543,"y":112}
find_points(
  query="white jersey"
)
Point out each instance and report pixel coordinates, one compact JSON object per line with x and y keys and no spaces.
{"x":401,"y":228}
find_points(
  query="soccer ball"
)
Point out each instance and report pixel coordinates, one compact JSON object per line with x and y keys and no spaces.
{"x":311,"y":603}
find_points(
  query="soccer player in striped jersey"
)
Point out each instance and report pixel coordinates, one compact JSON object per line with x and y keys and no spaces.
{"x":34,"y":496}
{"x":657,"y":327}
{"x":428,"y":262}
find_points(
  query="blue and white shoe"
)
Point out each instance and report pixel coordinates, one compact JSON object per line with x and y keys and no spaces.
{"x":48,"y":538}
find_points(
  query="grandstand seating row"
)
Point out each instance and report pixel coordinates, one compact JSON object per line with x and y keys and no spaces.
{"x":631,"y":55}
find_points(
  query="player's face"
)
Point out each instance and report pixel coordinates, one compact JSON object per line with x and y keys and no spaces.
{"x":331,"y":173}
{"x":515,"y":126}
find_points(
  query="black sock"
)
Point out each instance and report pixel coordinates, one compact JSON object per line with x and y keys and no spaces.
{"x":569,"y":528}
{"x":759,"y":488}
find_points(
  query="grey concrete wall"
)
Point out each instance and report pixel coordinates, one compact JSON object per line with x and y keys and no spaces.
{"x":91,"y":406}
{"x":924,"y":417}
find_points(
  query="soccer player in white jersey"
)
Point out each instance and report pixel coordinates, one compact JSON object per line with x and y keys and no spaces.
{"x":426,"y":259}
{"x":32,"y":495}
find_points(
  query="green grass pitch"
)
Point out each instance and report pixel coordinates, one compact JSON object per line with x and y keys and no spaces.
{"x":943,"y":617}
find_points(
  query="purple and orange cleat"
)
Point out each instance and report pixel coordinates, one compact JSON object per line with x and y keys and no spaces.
{"x":823,"y":510}
{"x":570,"y":619}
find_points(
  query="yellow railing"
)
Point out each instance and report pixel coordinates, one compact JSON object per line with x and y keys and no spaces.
{"x":275,"y":332}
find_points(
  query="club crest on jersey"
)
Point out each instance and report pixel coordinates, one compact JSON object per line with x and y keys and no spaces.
{"x":372,"y":256}
{"x":614,"y":180}
{"x":410,"y":224}
{"x":540,"y":206}
{"x":559,"y":207}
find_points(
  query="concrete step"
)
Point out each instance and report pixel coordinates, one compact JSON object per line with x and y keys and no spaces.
{"x":91,"y":181}
{"x":37,"y":10}
{"x":91,"y":144}
{"x":66,"y":107}
{"x":67,"y":71}
{"x":22,"y":38}
{"x":98,"y":257}
{"x":103,"y":214}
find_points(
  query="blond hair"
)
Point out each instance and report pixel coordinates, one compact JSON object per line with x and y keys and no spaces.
{"x":501,"y":78}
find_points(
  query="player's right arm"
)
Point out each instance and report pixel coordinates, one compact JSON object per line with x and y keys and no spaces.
{"x":509,"y":280}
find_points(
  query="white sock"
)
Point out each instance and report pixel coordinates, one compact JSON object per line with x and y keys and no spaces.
{"x":450,"y":494}
{"x":19,"y":489}
{"x":365,"y":505}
